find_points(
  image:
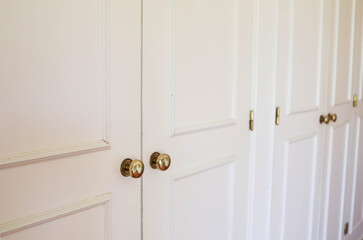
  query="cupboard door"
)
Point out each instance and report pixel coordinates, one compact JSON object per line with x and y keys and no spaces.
{"x":196,"y":95}
{"x":299,"y":138}
{"x":338,"y":138}
{"x":354,"y":202}
{"x":59,"y":155}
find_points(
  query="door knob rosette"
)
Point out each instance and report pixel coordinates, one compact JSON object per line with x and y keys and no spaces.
{"x":160,"y":161}
{"x":132,"y":168}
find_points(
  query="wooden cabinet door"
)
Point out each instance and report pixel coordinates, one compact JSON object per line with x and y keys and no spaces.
{"x":69,"y":114}
{"x":338,"y":143}
{"x":196,"y":100}
{"x":299,"y":137}
{"x":354,"y":199}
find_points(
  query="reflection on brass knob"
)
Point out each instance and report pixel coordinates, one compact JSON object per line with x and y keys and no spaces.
{"x":160,"y":161}
{"x":325,"y":119}
{"x":334,"y":117}
{"x":132,"y":168}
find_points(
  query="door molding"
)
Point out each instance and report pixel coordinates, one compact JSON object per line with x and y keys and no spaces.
{"x":60,"y":212}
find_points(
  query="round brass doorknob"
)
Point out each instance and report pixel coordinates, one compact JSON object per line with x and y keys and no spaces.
{"x":132,"y":168}
{"x":325,"y":119}
{"x":334,"y":117}
{"x":160,"y":161}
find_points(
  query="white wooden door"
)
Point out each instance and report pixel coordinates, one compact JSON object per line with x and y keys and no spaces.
{"x":338,"y":147}
{"x":196,"y":96}
{"x":69,"y":114}
{"x":354,"y":196}
{"x":299,"y":137}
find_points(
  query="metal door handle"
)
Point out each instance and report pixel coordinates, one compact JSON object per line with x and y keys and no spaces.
{"x":160,"y":161}
{"x":132,"y":168}
{"x":325,"y":119}
{"x":330,"y":117}
{"x":334,"y":117}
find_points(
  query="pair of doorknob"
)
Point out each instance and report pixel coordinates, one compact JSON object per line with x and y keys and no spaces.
{"x":326,"y":119}
{"x":135,"y":168}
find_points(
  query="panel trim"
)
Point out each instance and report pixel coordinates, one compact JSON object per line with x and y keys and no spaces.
{"x":79,"y":148}
{"x":174,"y":130}
{"x":51,"y":153}
{"x":203,"y":126}
{"x":203,"y":168}
{"x":57,"y":213}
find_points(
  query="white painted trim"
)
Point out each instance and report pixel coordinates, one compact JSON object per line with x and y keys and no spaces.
{"x":361,"y":70}
{"x":290,"y":54}
{"x":51,"y":153}
{"x":57,"y":213}
{"x":203,"y":168}
{"x":303,"y":110}
{"x":335,"y":54}
{"x":203,"y":126}
{"x":351,"y":51}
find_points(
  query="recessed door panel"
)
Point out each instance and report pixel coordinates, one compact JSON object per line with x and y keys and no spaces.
{"x":342,"y":53}
{"x":357,"y":190}
{"x":337,"y":166}
{"x":203,"y":68}
{"x":88,"y":219}
{"x":54,"y":77}
{"x":305,"y":52}
{"x":200,"y":195}
{"x":300,"y":170}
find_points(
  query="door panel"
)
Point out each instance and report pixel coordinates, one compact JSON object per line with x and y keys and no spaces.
{"x":303,"y":33}
{"x":198,"y":188}
{"x":356,"y":210}
{"x":299,"y":174}
{"x":343,"y":20}
{"x":298,"y":151}
{"x":93,"y":217}
{"x":338,"y":154}
{"x":59,"y":168}
{"x":196,"y":92}
{"x":199,"y":98}
{"x":45,"y":66}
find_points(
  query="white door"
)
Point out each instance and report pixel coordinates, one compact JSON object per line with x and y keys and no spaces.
{"x":299,"y":137}
{"x":338,"y":147}
{"x":354,"y":195}
{"x":70,"y":113}
{"x":196,"y":98}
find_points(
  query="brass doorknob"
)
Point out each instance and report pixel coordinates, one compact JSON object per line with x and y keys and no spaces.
{"x":132,"y":168}
{"x":160,"y":161}
{"x":333,"y":117}
{"x":325,"y":119}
